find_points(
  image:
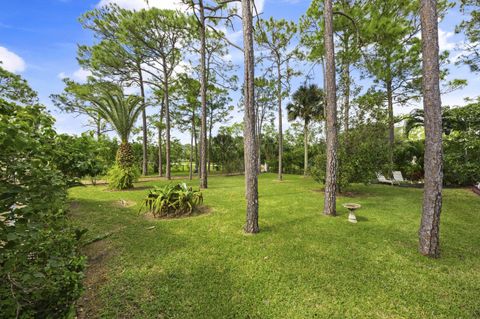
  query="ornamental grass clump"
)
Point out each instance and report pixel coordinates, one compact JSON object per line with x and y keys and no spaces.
{"x":173,"y":200}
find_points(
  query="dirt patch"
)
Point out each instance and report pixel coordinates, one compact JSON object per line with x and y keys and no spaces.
{"x":96,"y":274}
{"x":201,"y":210}
{"x":122,"y":203}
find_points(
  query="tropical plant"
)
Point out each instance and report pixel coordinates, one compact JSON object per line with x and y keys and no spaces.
{"x":121,"y":112}
{"x":172,"y":200}
{"x":308,"y":105}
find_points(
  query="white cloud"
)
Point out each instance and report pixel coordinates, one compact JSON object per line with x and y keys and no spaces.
{"x":11,"y":61}
{"x":142,"y":4}
{"x":444,"y":42}
{"x":61,"y":75}
{"x":81,"y":75}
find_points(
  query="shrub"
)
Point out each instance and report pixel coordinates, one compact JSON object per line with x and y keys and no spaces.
{"x":120,"y":178}
{"x":40,"y":265}
{"x":172,"y":201}
{"x":361,"y":154}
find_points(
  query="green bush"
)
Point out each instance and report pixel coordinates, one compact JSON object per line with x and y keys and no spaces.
{"x":172,"y":201}
{"x":361,"y":154}
{"x":120,"y":178}
{"x":41,"y":269}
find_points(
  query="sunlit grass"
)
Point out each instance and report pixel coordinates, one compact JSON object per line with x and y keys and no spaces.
{"x":301,"y":264}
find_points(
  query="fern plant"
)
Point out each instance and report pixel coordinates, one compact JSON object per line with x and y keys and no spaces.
{"x":172,"y":200}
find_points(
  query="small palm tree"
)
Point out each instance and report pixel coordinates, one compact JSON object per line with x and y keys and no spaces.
{"x":121,"y":112}
{"x":308,"y":105}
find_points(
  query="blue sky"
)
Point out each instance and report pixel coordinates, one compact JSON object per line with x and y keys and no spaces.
{"x":38,"y":39}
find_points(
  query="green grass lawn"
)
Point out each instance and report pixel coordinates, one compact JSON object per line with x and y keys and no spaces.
{"x":301,"y":264}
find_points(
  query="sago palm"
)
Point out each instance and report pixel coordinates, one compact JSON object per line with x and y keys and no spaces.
{"x":121,"y":112}
{"x":308,"y":105}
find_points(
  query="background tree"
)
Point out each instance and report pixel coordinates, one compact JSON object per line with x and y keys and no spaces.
{"x":73,"y":100}
{"x":219,"y":111}
{"x":264,"y":109}
{"x":429,"y":232}
{"x":308,"y":105}
{"x":14,"y":88}
{"x":186,"y":92}
{"x":471,"y":28}
{"x":274,"y":37}
{"x":206,"y":13}
{"x":391,"y":53}
{"x":161,"y":36}
{"x":115,"y":57}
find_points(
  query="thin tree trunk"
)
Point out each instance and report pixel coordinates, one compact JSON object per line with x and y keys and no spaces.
{"x":209,"y":145}
{"x":391,"y":122}
{"x":305,"y":148}
{"x":250,"y":147}
{"x":429,"y":233}
{"x":203,"y":93}
{"x":280,"y":129}
{"x":160,"y":156}
{"x":99,"y":127}
{"x":190,"y":175}
{"x":346,"y":101}
{"x":167,"y":122}
{"x":195,"y":140}
{"x":331,"y":129}
{"x":144,"y":126}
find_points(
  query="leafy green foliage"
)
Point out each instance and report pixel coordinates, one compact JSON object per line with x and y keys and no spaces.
{"x":78,"y":157}
{"x":14,"y":88}
{"x":360,"y":157}
{"x":122,"y":177}
{"x":40,"y":266}
{"x":471,"y":27}
{"x":172,"y":201}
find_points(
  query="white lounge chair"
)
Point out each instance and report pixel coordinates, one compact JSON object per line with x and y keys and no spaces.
{"x":398,"y":177}
{"x":382,"y":180}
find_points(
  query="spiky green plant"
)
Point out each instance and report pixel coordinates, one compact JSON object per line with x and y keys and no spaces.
{"x":172,"y":200}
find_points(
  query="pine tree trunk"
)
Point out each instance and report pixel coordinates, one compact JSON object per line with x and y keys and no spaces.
{"x":144,"y":126}
{"x":250,"y":147}
{"x":160,"y":157}
{"x":429,"y":233}
{"x":305,"y":149}
{"x":167,"y":122}
{"x":331,"y":110}
{"x":280,"y":129}
{"x":190,"y":173}
{"x":391,"y":123}
{"x":346,"y":102}
{"x":203,"y":93}
{"x":209,"y":145}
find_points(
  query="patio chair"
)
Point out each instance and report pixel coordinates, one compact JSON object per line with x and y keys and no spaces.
{"x":382,"y":180}
{"x":398,"y":177}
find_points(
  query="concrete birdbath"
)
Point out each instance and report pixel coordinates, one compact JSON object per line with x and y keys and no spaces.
{"x":352,"y":207}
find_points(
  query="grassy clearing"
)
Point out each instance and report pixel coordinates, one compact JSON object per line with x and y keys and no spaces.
{"x":301,"y":265}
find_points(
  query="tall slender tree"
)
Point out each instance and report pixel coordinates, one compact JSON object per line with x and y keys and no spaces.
{"x":250,"y":149}
{"x":115,"y":57}
{"x":162,"y":36}
{"x":331,"y":111}
{"x":275,"y":38}
{"x":429,"y":233}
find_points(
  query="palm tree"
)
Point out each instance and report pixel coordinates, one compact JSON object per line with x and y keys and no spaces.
{"x":308,"y":105}
{"x":121,"y":112}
